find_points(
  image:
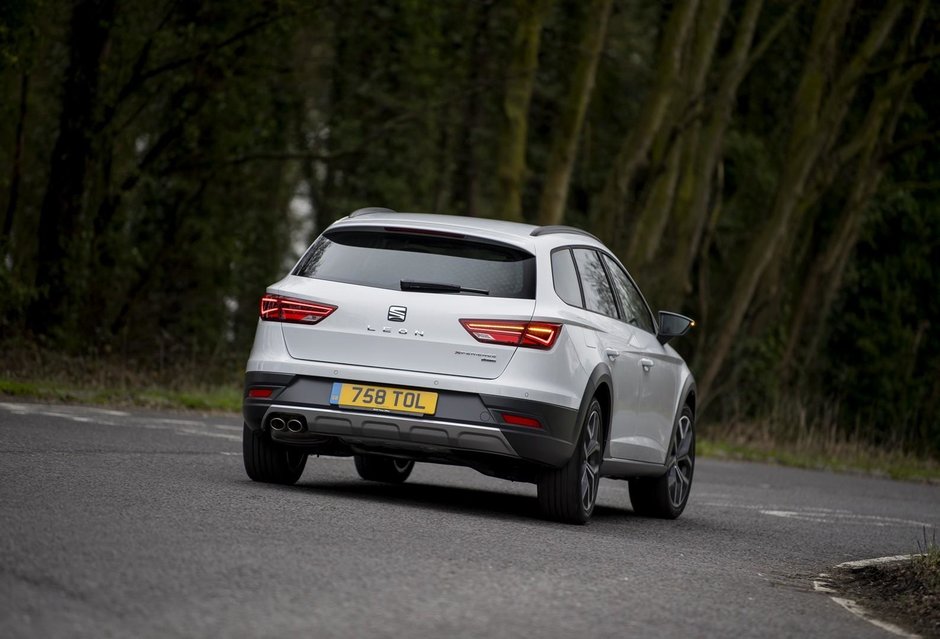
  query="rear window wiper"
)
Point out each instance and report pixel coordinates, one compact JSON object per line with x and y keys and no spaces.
{"x":440,"y":287}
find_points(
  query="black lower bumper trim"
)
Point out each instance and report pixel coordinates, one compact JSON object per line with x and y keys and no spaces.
{"x":551,"y":445}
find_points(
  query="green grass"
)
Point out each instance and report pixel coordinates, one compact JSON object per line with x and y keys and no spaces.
{"x":209,"y":398}
{"x":926,"y":567}
{"x":857,"y":458}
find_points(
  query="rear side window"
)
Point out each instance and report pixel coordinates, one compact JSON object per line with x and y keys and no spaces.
{"x":382,"y":259}
{"x":630,"y":299}
{"x":565,"y":278}
{"x":598,"y":296}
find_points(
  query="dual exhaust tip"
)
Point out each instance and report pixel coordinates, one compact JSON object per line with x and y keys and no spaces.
{"x":291,"y":423}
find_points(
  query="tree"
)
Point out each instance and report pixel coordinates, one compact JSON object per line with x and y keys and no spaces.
{"x":818,"y":114}
{"x":520,"y":79}
{"x":62,"y":211}
{"x":571,"y":119}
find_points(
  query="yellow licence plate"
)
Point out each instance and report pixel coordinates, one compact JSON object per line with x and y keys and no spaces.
{"x":399,"y":400}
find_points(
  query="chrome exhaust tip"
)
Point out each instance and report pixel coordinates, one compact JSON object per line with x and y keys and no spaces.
{"x":277,"y":423}
{"x":295,"y":425}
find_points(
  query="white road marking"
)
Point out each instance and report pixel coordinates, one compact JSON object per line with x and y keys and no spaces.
{"x":822,"y":515}
{"x":177,"y":426}
{"x":844,"y":518}
{"x":74,"y":418}
{"x":823,"y":585}
{"x":877,"y":561}
{"x":181,"y":422}
{"x":106,"y":411}
{"x":226,"y":427}
{"x":204,"y":433}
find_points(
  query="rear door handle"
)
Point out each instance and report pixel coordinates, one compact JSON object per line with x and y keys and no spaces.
{"x":612,"y":354}
{"x":647,"y":363}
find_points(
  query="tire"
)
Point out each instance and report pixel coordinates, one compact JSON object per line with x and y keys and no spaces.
{"x":665,"y":497}
{"x":568,"y":494}
{"x":389,"y":470}
{"x":270,"y":462}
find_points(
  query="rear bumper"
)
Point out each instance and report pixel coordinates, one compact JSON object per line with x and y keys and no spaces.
{"x":465,"y":427}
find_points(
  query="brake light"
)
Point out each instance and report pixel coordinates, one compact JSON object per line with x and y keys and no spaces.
{"x":530,"y":334}
{"x":435,"y":232}
{"x":277,"y":308}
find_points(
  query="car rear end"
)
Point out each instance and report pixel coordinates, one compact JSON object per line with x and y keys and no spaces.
{"x":416,"y":337}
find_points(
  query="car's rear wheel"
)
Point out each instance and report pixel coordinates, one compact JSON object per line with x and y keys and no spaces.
{"x":268,"y":461}
{"x":385,"y":469}
{"x":568,"y":494}
{"x":665,"y":497}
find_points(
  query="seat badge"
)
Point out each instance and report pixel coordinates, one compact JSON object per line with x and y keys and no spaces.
{"x":397,"y":313}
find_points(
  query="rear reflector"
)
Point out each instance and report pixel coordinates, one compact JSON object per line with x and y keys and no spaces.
{"x":277,"y":308}
{"x":260,"y":393}
{"x":530,"y":334}
{"x":519,"y":420}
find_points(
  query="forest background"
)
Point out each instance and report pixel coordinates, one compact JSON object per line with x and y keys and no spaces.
{"x":768,"y":167}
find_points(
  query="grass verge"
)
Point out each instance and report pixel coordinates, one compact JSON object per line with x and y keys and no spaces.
{"x":28,"y":371}
{"x":856,"y":459}
{"x":906,"y":593}
{"x":790,"y":437}
{"x":209,"y":398}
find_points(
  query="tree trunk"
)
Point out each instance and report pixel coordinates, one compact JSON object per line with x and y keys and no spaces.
{"x":692,"y":200}
{"x":818,"y":115}
{"x":16,"y":166}
{"x":60,"y":218}
{"x":568,"y":127}
{"x":466,"y":175}
{"x":828,"y":130}
{"x":875,"y":134}
{"x":523,"y":62}
{"x":636,"y":146}
{"x":646,"y":236}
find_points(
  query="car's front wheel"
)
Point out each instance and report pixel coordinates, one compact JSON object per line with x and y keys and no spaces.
{"x":268,"y":461}
{"x":666,"y":496}
{"x":568,"y":494}
{"x":385,"y":469}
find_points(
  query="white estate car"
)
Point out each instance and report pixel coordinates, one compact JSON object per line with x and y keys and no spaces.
{"x":524,"y":352}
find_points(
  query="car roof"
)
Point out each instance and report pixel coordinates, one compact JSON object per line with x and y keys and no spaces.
{"x":517,"y":233}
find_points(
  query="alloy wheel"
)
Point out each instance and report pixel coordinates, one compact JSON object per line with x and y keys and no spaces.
{"x":682,"y":462}
{"x":591,"y":459}
{"x":402,"y":465}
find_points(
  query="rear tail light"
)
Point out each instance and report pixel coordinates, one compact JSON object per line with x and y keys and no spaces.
{"x":530,"y":334}
{"x":277,"y":308}
{"x":260,"y":392}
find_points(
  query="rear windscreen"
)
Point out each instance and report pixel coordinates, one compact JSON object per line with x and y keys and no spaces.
{"x":383,"y":259}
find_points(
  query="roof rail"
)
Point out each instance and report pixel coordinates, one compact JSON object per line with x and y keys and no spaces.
{"x":371,"y":209}
{"x":558,"y":228}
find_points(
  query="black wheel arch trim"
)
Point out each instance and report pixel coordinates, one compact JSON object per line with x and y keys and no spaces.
{"x":600,"y":376}
{"x":689,"y":390}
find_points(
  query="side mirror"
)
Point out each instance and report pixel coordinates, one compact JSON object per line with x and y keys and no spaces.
{"x":673,"y":325}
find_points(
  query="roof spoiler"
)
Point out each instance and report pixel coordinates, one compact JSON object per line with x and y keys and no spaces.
{"x":370,"y":210}
{"x":558,"y":228}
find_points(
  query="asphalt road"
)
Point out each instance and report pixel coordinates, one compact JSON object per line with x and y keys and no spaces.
{"x":144,"y":524}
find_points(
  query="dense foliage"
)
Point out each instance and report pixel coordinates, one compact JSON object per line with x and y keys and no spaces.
{"x":766,"y":166}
